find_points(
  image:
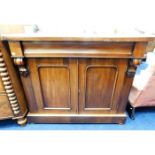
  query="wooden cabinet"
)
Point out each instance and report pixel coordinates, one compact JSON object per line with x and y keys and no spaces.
{"x":5,"y":109}
{"x":76,"y":80}
{"x":12,"y":100}
{"x":67,"y":79}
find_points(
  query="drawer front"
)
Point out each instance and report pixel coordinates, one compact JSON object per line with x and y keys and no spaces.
{"x":1,"y":86}
{"x":5,"y":110}
{"x":75,"y":49}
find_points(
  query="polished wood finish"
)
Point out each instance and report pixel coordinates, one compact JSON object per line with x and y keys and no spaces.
{"x":18,"y":90}
{"x":15,"y":101}
{"x":81,"y":37}
{"x":77,"y":81}
{"x":76,"y":118}
{"x":5,"y":109}
{"x":1,"y":86}
{"x":76,"y":49}
{"x":54,"y":83}
{"x":72,"y":78}
{"x":22,"y":121}
{"x":12,"y":100}
{"x":5,"y":89}
{"x":100,"y":84}
{"x":15,"y":48}
{"x":139,"y":49}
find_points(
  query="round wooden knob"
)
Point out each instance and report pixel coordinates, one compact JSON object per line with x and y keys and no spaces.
{"x":136,"y":62}
{"x":19,"y":61}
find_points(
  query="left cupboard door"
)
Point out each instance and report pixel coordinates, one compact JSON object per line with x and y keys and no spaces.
{"x":55,"y":85}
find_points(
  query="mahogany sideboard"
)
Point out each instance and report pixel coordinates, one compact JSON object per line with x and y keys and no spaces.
{"x":68,"y":79}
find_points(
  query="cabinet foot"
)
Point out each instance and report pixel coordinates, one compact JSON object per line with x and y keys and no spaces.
{"x":131,"y":111}
{"x":22,"y":121}
{"x":121,"y":123}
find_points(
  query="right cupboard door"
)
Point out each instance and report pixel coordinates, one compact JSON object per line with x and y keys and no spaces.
{"x":100,"y":85}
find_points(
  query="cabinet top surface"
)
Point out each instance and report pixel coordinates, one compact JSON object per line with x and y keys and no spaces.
{"x":47,"y":37}
{"x":79,"y":35}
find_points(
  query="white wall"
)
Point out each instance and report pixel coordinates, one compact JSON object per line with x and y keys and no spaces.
{"x":93,"y":14}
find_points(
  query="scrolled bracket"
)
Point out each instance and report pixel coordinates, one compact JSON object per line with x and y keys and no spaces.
{"x":21,"y":66}
{"x":132,"y":66}
{"x":18,"y":57}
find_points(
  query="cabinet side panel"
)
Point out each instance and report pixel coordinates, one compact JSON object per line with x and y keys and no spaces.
{"x":1,"y":86}
{"x":15,"y":81}
{"x":5,"y":110}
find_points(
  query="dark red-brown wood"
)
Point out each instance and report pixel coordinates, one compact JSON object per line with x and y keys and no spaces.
{"x":80,"y":81}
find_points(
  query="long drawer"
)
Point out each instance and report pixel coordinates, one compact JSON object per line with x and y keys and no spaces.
{"x":75,"y":49}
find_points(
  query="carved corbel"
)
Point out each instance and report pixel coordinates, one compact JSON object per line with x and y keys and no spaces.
{"x":132,"y":66}
{"x":138,"y":54}
{"x":18,"y":56}
{"x":21,"y":66}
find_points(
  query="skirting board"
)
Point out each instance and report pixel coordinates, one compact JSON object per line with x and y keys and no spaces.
{"x":80,"y":118}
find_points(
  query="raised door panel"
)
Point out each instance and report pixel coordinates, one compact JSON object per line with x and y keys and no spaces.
{"x":100,"y":84}
{"x":58,"y":95}
{"x":97,"y":78}
{"x":54,"y":84}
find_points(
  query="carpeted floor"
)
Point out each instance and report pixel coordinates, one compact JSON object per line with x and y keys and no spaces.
{"x":145,"y":120}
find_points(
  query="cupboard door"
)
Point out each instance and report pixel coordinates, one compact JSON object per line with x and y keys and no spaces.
{"x":55,"y":84}
{"x":100,"y":84}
